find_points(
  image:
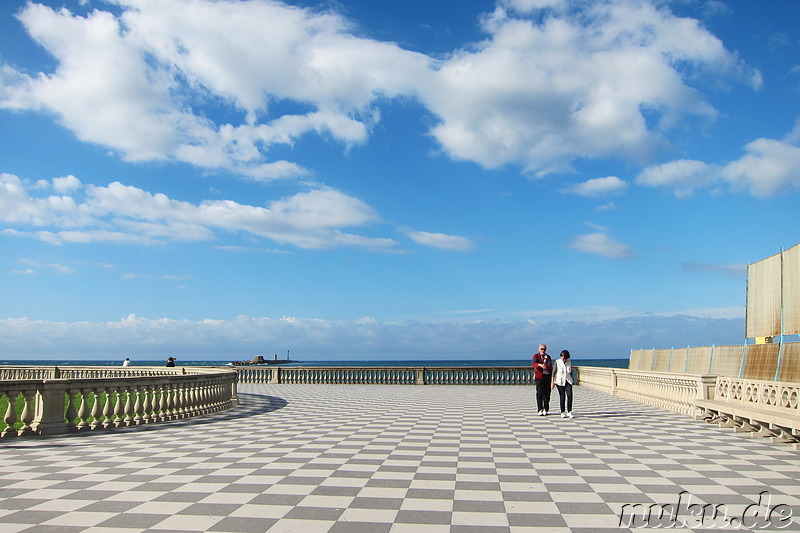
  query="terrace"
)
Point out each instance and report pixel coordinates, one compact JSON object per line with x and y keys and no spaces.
{"x":339,"y":452}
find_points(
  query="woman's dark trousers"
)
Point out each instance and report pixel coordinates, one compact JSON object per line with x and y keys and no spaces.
{"x":565,"y":390}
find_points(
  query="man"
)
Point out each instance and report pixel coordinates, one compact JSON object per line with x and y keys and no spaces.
{"x":542,"y":372}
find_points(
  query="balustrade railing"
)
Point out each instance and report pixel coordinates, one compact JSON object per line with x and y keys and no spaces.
{"x":758,"y":393}
{"x":121,"y":397}
{"x":389,"y":375}
{"x":675,"y":392}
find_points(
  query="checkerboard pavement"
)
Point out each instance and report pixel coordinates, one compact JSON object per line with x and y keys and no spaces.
{"x":382,"y":458}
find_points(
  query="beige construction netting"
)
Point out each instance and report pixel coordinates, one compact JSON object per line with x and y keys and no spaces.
{"x":761,"y":361}
{"x":700,"y":360}
{"x":677,"y":363}
{"x":790,"y":362}
{"x":727,"y":360}
{"x":791,"y":290}
{"x":661,"y":360}
{"x":764,"y":297}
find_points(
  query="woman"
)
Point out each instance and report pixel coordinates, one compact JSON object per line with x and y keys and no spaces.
{"x":563,"y":380}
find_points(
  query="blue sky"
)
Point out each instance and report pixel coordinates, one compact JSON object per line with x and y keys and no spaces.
{"x":368,"y":180}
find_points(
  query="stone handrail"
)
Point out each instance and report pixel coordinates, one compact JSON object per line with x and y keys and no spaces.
{"x":767,"y":408}
{"x":10,"y":372}
{"x":759,"y":394}
{"x":675,"y":392}
{"x":388,"y":375}
{"x":121,"y":397}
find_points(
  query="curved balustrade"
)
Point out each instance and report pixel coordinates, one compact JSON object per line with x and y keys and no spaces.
{"x":11,"y":373}
{"x":141,"y":396}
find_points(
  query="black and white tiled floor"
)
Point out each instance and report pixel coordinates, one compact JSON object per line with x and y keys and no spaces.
{"x":380,"y":458}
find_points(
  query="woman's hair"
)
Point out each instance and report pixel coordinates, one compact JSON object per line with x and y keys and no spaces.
{"x":565,"y":354}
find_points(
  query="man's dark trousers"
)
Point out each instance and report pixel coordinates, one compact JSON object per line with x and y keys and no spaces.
{"x":542,"y":392}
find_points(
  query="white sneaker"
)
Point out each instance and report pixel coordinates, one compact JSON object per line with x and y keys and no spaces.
{"x":563,"y":415}
{"x":541,"y":413}
{"x":570,"y":415}
{"x":544,"y":413}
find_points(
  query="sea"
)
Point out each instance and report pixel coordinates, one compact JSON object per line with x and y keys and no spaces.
{"x":607,"y":363}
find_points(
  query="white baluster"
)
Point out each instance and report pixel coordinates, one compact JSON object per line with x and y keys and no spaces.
{"x":26,"y":417}
{"x":10,"y":417}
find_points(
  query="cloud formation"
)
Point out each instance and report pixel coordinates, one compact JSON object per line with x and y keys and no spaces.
{"x":136,"y":81}
{"x":363,"y":339}
{"x":553,"y":81}
{"x":120,"y":213}
{"x":768,"y":167}
{"x":559,"y":80}
{"x":600,"y":243}
{"x":598,"y":187}
{"x":441,"y":240}
{"x":63,"y":210}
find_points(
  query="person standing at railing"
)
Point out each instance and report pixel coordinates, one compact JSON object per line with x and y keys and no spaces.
{"x":127,"y":362}
{"x":563,"y":380}
{"x":171,"y":361}
{"x":542,"y":370}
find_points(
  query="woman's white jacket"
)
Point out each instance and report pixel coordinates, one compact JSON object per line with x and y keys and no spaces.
{"x":563,"y":372}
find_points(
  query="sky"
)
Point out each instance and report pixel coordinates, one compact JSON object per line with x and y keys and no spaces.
{"x":366,"y":180}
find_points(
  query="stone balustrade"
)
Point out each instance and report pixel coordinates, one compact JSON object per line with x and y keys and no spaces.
{"x":765,"y":408}
{"x":675,"y":392}
{"x":48,"y":400}
{"x":63,"y":400}
{"x":388,"y":375}
{"x":759,"y":394}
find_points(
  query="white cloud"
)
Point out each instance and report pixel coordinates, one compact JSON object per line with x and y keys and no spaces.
{"x":134,"y":81}
{"x":555,"y":80}
{"x":769,"y":168}
{"x":126,"y":214}
{"x":610,"y":206}
{"x":684,"y":176}
{"x":66,"y":184}
{"x":527,"y":6}
{"x":598,"y":227}
{"x":598,"y":187}
{"x":58,"y":268}
{"x":600,"y":243}
{"x":441,"y":240}
{"x":575,"y":81}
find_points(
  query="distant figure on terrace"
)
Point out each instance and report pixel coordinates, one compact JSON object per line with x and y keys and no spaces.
{"x":127,"y":362}
{"x":171,"y":361}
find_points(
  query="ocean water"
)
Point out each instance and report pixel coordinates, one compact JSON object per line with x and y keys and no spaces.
{"x":607,"y":363}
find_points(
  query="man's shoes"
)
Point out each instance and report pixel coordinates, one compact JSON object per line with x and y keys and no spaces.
{"x":570,"y":415}
{"x":563,"y":415}
{"x":544,"y":413}
{"x":541,"y":413}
